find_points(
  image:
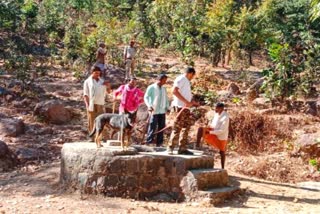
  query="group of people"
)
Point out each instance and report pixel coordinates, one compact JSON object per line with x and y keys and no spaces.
{"x":157,"y":101}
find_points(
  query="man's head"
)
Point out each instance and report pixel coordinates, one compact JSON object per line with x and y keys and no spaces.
{"x":219,"y":108}
{"x":95,"y":72}
{"x":102,"y":45}
{"x":132,"y":42}
{"x":162,"y":79}
{"x":190,"y":73}
{"x":132,"y":82}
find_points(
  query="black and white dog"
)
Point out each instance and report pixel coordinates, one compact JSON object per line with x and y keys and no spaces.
{"x":115,"y":122}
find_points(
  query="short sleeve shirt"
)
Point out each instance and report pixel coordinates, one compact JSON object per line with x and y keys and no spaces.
{"x":184,"y":86}
{"x":130,"y":51}
{"x":99,"y":90}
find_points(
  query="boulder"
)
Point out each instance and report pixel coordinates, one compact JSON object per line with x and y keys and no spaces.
{"x":233,"y":88}
{"x":115,"y":75}
{"x":262,"y":102}
{"x":224,"y":95}
{"x":254,"y":90}
{"x":7,"y":158}
{"x":23,"y":103}
{"x":53,"y":112}
{"x":312,"y":107}
{"x":308,"y":145}
{"x":27,"y":154}
{"x":11,"y":127}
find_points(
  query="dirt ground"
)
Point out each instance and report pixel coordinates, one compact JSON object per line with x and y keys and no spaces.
{"x":36,"y":190}
{"x":34,"y":186}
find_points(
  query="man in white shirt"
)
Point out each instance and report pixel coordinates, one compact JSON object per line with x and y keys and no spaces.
{"x":182,"y":101}
{"x":94,"y":91}
{"x":217,"y":134}
{"x":129,"y":59}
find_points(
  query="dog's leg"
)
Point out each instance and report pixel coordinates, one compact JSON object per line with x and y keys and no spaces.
{"x":122,"y":140}
{"x":98,"y":138}
{"x":129,"y":138}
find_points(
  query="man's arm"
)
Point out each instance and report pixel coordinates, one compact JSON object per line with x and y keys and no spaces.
{"x":86,"y":101}
{"x":86,"y":94}
{"x":125,"y":53}
{"x":148,"y":96}
{"x":118,"y":91}
{"x":177,"y":93}
{"x":222,"y":129}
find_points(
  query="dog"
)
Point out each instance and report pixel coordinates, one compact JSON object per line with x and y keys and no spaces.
{"x":116,"y":122}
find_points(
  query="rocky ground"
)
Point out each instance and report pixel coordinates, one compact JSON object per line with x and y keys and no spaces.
{"x":36,"y":121}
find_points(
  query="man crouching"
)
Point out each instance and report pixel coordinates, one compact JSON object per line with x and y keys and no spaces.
{"x":217,"y":134}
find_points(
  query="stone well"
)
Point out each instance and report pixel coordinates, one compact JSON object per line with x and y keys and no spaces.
{"x":140,"y":175}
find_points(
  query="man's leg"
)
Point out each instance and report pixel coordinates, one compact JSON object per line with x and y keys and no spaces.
{"x":128,"y":68}
{"x":90,"y":116}
{"x":151,"y":128}
{"x":99,"y":109}
{"x":132,"y":67}
{"x":223,"y":158}
{"x":184,"y":139}
{"x":174,"y":137}
{"x":161,"y":125}
{"x":199,"y":137}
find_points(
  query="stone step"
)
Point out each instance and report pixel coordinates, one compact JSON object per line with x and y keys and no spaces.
{"x":218,"y":195}
{"x":210,"y":178}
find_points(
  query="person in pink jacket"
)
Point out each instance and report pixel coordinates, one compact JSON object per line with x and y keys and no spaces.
{"x":131,"y":97}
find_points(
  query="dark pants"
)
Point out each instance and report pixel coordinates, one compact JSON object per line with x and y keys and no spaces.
{"x":156,"y":120}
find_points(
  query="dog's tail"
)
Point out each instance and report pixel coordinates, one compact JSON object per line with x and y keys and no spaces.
{"x":93,"y":131}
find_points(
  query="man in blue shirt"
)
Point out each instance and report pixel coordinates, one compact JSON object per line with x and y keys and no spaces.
{"x":156,"y":99}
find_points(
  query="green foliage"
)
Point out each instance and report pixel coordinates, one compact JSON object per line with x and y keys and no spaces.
{"x":294,"y":50}
{"x":315,"y":163}
{"x":221,"y":30}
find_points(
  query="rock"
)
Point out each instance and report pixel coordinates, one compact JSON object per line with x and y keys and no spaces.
{"x":262,"y":102}
{"x":142,"y":113}
{"x":224,"y":95}
{"x":313,"y":108}
{"x":7,"y":158}
{"x":233,"y":88}
{"x":23,"y":103}
{"x":53,"y":112}
{"x":254,"y":90}
{"x":27,"y":154}
{"x":308,"y":145}
{"x":63,"y":93}
{"x":115,"y":75}
{"x":9,"y":98}
{"x":11,"y":127}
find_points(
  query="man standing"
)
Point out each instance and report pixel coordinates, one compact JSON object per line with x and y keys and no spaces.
{"x":217,"y":134}
{"x":156,"y":99}
{"x":100,"y":59}
{"x":94,"y":90}
{"x":182,"y":100}
{"x":129,"y":60}
{"x":131,"y":97}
